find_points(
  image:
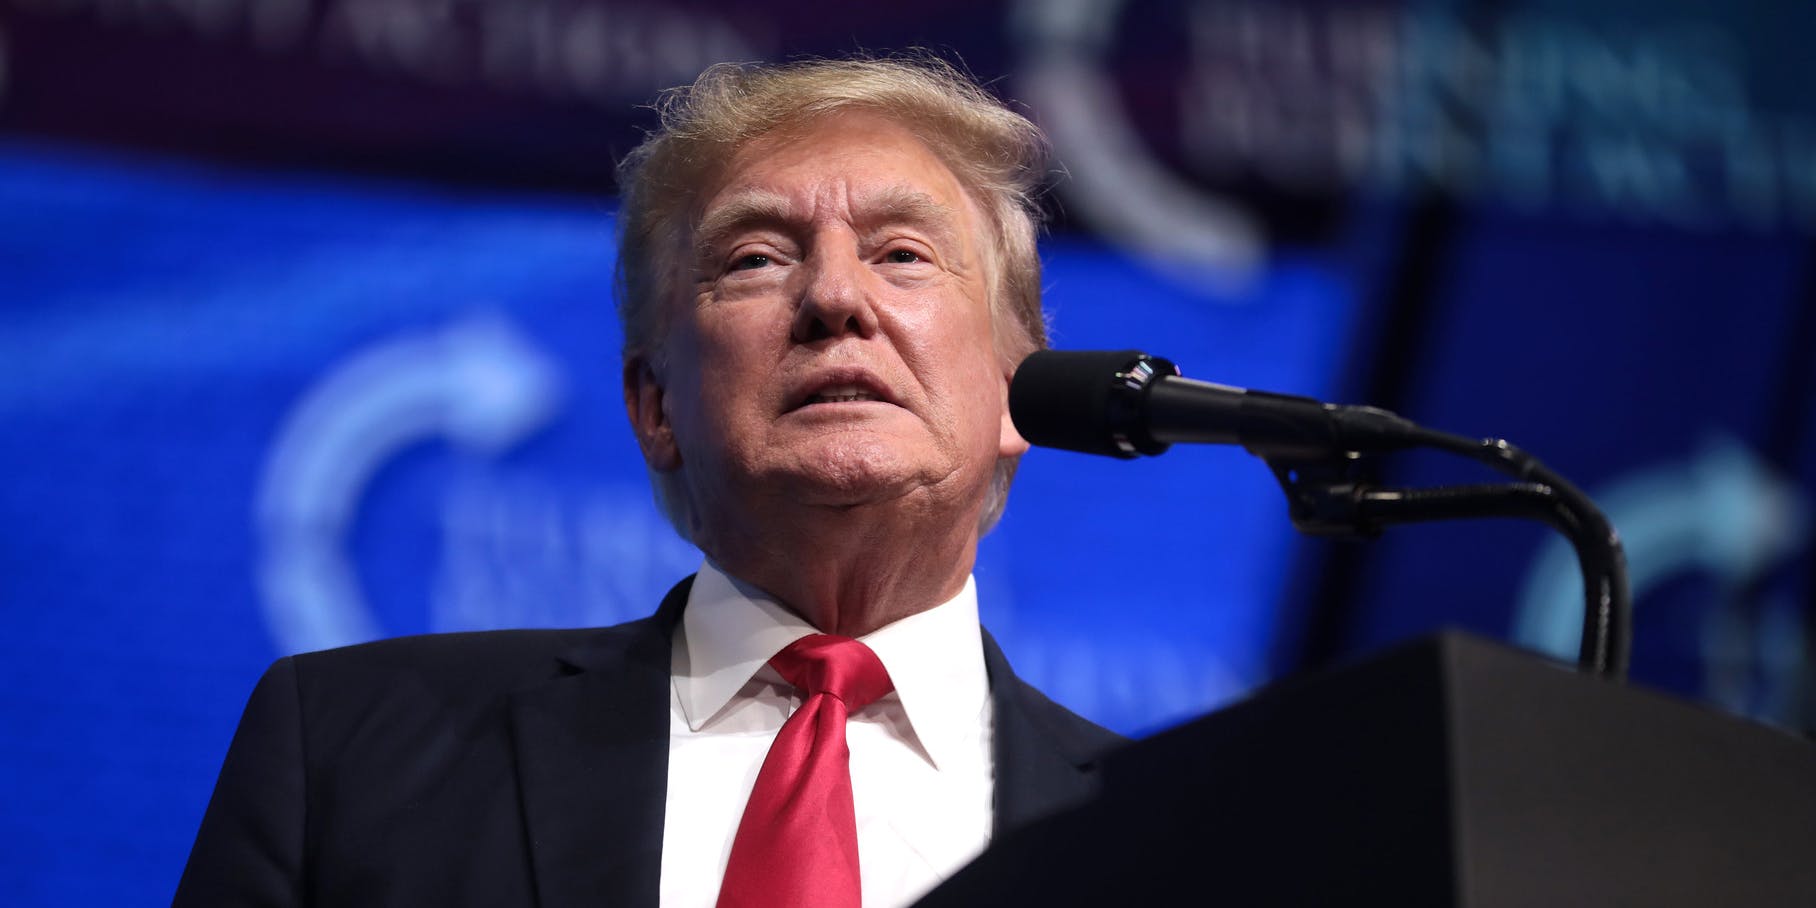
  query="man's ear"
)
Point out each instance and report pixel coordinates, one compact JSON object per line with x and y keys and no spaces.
{"x":645,"y":403}
{"x":1009,"y":442}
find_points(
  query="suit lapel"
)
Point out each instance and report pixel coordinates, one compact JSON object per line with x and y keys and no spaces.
{"x":592,"y":757}
{"x":1046,"y":758}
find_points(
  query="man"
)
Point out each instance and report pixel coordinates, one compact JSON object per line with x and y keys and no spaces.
{"x":828,"y":272}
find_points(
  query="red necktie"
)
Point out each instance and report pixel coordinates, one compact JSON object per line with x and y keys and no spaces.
{"x":798,"y":842}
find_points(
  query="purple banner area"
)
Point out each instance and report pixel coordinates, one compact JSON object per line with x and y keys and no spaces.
{"x":537,"y":92}
{"x":1201,"y":128}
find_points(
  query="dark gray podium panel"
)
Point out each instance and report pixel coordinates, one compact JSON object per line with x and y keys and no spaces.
{"x":1448,"y":772}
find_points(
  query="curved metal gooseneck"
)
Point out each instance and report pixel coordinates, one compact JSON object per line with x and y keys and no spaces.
{"x":1125,"y":404}
{"x":1325,"y":499}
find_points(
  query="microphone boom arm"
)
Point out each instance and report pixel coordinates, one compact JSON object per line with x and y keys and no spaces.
{"x":1324,"y":500}
{"x":1125,"y":403}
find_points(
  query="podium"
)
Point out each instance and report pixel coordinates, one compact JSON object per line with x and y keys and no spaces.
{"x":1450,"y":771}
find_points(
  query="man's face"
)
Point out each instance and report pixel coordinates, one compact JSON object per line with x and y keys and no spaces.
{"x":837,"y":348}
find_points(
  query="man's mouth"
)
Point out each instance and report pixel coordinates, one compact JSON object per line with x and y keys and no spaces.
{"x":842,"y":394}
{"x":842,"y":386}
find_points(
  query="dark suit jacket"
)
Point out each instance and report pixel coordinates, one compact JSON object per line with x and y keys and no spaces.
{"x":506,"y":768}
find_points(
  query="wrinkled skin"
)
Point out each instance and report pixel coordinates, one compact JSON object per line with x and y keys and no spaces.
{"x":831,"y":393}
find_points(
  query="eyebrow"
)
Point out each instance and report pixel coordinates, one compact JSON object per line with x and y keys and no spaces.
{"x":750,"y":208}
{"x":906,"y":205}
{"x":897,"y":204}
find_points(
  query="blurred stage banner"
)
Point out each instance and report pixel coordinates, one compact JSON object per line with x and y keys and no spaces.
{"x":252,"y":415}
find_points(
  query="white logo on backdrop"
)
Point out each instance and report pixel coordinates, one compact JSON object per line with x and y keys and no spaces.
{"x":1113,"y":179}
{"x":477,"y":384}
{"x":519,"y":550}
{"x":1649,"y":117}
{"x":526,"y":551}
{"x":1720,"y":512}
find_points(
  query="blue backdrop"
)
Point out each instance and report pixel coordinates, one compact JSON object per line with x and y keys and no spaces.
{"x":247,"y":415}
{"x":251,"y":404}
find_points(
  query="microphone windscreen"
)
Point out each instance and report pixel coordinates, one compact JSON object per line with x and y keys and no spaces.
{"x":1070,"y":399}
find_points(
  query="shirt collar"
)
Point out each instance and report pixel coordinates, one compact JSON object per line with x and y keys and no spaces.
{"x":935,"y":658}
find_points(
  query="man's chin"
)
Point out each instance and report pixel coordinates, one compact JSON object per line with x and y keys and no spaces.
{"x":852,"y":487}
{"x":853,"y":471}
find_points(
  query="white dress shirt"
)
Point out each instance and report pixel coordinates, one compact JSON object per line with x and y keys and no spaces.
{"x":921,"y":767}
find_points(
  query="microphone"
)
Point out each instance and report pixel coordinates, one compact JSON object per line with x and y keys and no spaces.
{"x":1125,"y":403}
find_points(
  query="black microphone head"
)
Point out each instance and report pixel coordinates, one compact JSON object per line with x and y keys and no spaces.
{"x":1090,"y":401}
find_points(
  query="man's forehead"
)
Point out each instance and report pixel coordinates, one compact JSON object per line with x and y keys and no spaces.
{"x":867,"y":207}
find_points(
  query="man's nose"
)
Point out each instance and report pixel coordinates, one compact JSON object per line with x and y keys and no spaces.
{"x":836,"y":299}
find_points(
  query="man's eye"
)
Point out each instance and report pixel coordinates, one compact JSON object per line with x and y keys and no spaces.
{"x":750,"y":262}
{"x":902,"y":257}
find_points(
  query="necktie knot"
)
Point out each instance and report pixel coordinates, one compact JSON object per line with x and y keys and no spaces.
{"x":838,"y":666}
